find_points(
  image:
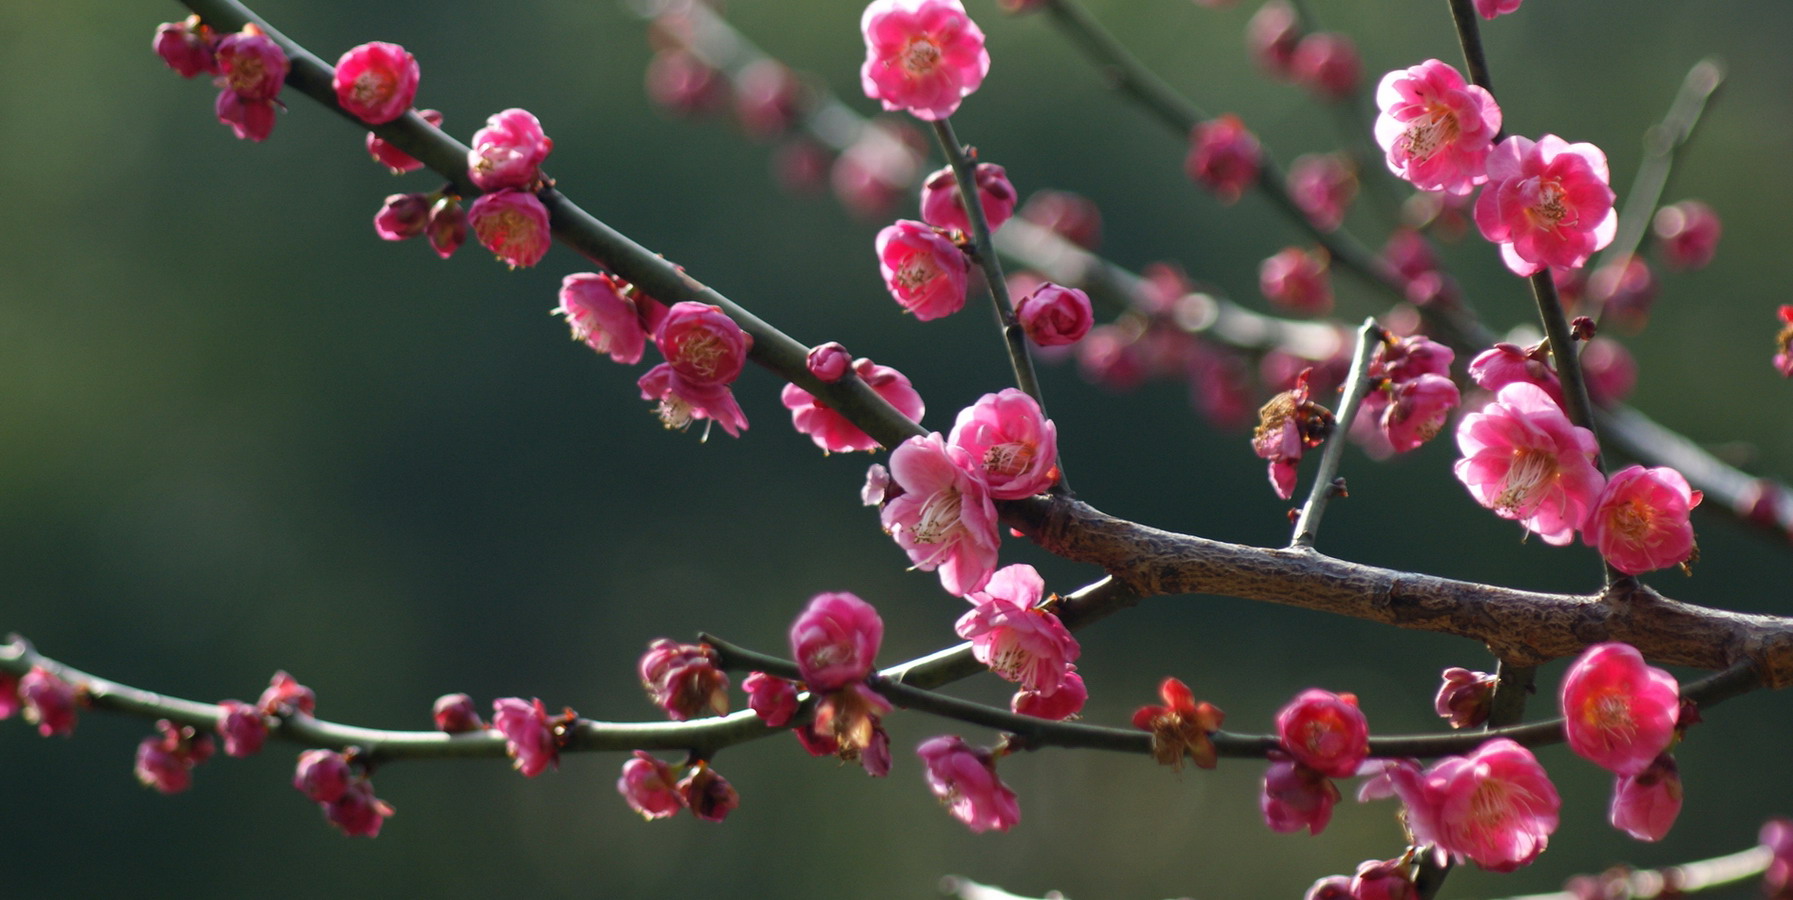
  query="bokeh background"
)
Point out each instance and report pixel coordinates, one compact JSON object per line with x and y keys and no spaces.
{"x":239,"y":433}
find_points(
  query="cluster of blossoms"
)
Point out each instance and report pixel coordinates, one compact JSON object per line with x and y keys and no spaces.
{"x":1325,"y":63}
{"x":1023,"y":641}
{"x":1623,"y":715}
{"x":1411,"y":394}
{"x":331,"y":780}
{"x":249,"y":66}
{"x":44,"y":699}
{"x":1322,"y":736}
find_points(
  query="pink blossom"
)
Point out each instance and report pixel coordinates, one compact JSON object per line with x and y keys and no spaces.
{"x":249,"y":120}
{"x":1296,"y":280}
{"x":447,"y":228}
{"x":944,"y":518}
{"x":1070,"y":216}
{"x":1384,"y":879}
{"x":1323,"y":185}
{"x":1609,"y":371}
{"x":1054,"y":316}
{"x":1405,"y":359}
{"x":1325,"y":732}
{"x":1288,"y":426}
{"x":648,"y":785}
{"x":508,"y":152}
{"x":599,"y":314}
{"x":1328,"y":65}
{"x":9,"y":695}
{"x":157,"y":766}
{"x":1783,"y":361}
{"x":768,"y":98}
{"x":1417,"y":411}
{"x":322,"y":775}
{"x":875,"y":169}
{"x":681,"y":403}
{"x":1523,"y":460}
{"x":1332,"y":887}
{"x":394,"y":159}
{"x":1504,"y":364}
{"x":1645,"y":805}
{"x":1464,"y":696}
{"x":964,"y":778}
{"x":1012,"y":444}
{"x":1436,"y":129}
{"x":454,"y":714}
{"x":1272,"y":35}
{"x":1013,"y":636}
{"x":682,"y":84}
{"x":1110,"y":356}
{"x":702,"y":344}
{"x":924,"y":56}
{"x":1547,"y":203}
{"x":942,"y":207}
{"x":513,"y":225}
{"x":1623,"y":291}
{"x":402,"y":217}
{"x":1619,"y":712}
{"x":924,"y":272}
{"x":834,"y":640}
{"x":1687,"y":234}
{"x":528,"y":736}
{"x":285,"y":696}
{"x":1777,"y":836}
{"x":683,"y":679}
{"x":1495,"y":806}
{"x":1409,"y":253}
{"x":186,"y":46}
{"x":771,"y":698}
{"x":1640,"y":522}
{"x":848,"y":721}
{"x":251,"y":65}
{"x":830,"y":362}
{"x":48,"y":701}
{"x":708,"y":795}
{"x":358,"y":813}
{"x":376,"y":82}
{"x":1223,"y":157}
{"x":832,"y":431}
{"x":1061,"y":704}
{"x":1296,"y":797}
{"x":1492,"y":8}
{"x":243,"y":728}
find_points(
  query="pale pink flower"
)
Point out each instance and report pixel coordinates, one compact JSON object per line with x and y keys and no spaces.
{"x":454,"y":714}
{"x":243,"y":728}
{"x":648,"y":785}
{"x":1073,"y":217}
{"x":358,"y":813}
{"x":683,"y":679}
{"x":771,"y":698}
{"x":1054,"y":316}
{"x":1504,"y":364}
{"x":1061,"y":704}
{"x":942,"y":207}
{"x":1645,"y":805}
{"x":1272,"y":35}
{"x":402,"y":217}
{"x":528,"y":738}
{"x":830,"y":362}
{"x":1547,"y":203}
{"x":600,"y":314}
{"x":924,"y":56}
{"x":48,"y":701}
{"x":1325,"y":732}
{"x":1523,"y":460}
{"x":394,"y":159}
{"x":1777,"y":836}
{"x":1323,"y":185}
{"x":249,"y":120}
{"x":1619,"y":712}
{"x":1296,"y":280}
{"x":925,"y":273}
{"x":875,"y":491}
{"x":834,"y":640}
{"x":1687,"y":234}
{"x":376,"y":81}
{"x":1011,"y":443}
{"x":513,"y":225}
{"x":1328,"y":65}
{"x":1436,"y":130}
{"x":1492,"y":8}
{"x":322,"y":775}
{"x":1623,"y":291}
{"x":964,"y":778}
{"x":447,"y":229}
{"x":680,"y":403}
{"x":251,"y":65}
{"x":508,"y":152}
{"x":682,"y":84}
{"x":1495,"y":806}
{"x":1014,"y":637}
{"x":1223,"y":157}
{"x":1609,"y":371}
{"x":768,"y":98}
{"x":832,"y":431}
{"x":1417,"y":410}
{"x":875,"y":169}
{"x":1296,"y":797}
{"x":944,"y":519}
{"x":708,"y":795}
{"x":1463,"y":697}
{"x":1640,"y":522}
{"x":186,"y":46}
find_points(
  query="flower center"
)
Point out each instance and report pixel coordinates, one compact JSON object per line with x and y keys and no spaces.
{"x":1434,"y":128}
{"x":939,"y":517}
{"x":246,"y":73}
{"x":1008,"y":459}
{"x":702,"y":353}
{"x":1611,"y":716}
{"x":1548,"y":211}
{"x":674,"y":412}
{"x":372,"y":87}
{"x":915,"y":274}
{"x":1631,"y":521}
{"x":1531,"y":473}
{"x":920,"y":57}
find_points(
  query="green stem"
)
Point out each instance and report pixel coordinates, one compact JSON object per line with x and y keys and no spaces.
{"x":1357,"y":385}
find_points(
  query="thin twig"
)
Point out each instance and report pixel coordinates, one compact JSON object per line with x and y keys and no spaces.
{"x":1662,"y":143}
{"x":1357,"y":386}
{"x":1687,"y":878}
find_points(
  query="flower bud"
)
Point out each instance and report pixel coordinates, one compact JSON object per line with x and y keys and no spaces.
{"x":358,"y":813}
{"x":708,"y":794}
{"x":447,"y":228}
{"x":186,"y":46}
{"x":508,"y":152}
{"x":648,"y":786}
{"x":942,"y":207}
{"x":528,"y":736}
{"x":322,"y":775}
{"x":771,"y":698}
{"x":402,"y":217}
{"x":829,"y":362}
{"x":454,"y":714}
{"x":1223,"y":157}
{"x":1464,"y":697}
{"x":1055,"y":316}
{"x":49,"y":702}
{"x":683,"y":679}
{"x":286,"y":696}
{"x":243,"y":727}
{"x":835,"y":639}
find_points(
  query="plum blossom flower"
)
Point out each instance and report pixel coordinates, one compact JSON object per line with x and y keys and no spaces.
{"x":833,"y":432}
{"x":835,"y":639}
{"x":508,"y":152}
{"x":376,"y":81}
{"x":513,"y":225}
{"x":680,"y":403}
{"x":683,"y":679}
{"x":1061,"y":704}
{"x":1332,"y":887}
{"x":1783,"y":361}
{"x":1325,"y":732}
{"x":1015,"y":638}
{"x":1013,"y":445}
{"x":447,"y":228}
{"x":944,"y":519}
{"x":1327,"y":64}
{"x":1548,"y":203}
{"x":528,"y":736}
{"x":1777,"y":836}
{"x":1296,"y":280}
{"x":1296,"y":797}
{"x":1619,"y":712}
{"x":166,"y":759}
{"x":708,"y":795}
{"x":187,"y":46}
{"x":454,"y":714}
{"x":1464,"y":696}
{"x":243,"y":728}
{"x":402,"y":217}
{"x":702,"y":344}
{"x":48,"y":701}
{"x":322,"y":775}
{"x":1687,"y":234}
{"x":830,"y":362}
{"x":358,"y":813}
{"x":964,"y":778}
{"x":1504,"y":364}
{"x":1288,"y":426}
{"x":1417,"y":410}
{"x":768,"y":98}
{"x":1495,"y":806}
{"x":1489,"y":9}
{"x":648,"y":785}
{"x":942,"y":207}
{"x":771,"y":698}
{"x":395,"y":160}
{"x":876,"y":169}
{"x":1223,"y":157}
{"x":1645,"y":805}
{"x":1523,"y":460}
{"x":251,"y":65}
{"x":1436,"y":130}
{"x":848,"y":722}
{"x":1181,"y":726}
{"x":1073,"y":217}
{"x":1384,"y":879}
{"x":1323,"y":185}
{"x":923,"y":56}
{"x":249,"y":120}
{"x":1054,"y":316}
{"x":1272,"y":36}
{"x":601,"y":315}
{"x":924,"y":272}
{"x":1640,"y":522}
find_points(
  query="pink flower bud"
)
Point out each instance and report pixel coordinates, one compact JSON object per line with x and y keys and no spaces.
{"x":250,"y":120}
{"x":1061,"y":704}
{"x":186,"y":46}
{"x":1417,"y":411}
{"x":964,"y":778}
{"x":1547,"y":203}
{"x":49,"y":702}
{"x":1609,"y":370}
{"x":1012,"y":444}
{"x":513,"y":225}
{"x":285,"y":696}
{"x":709,"y":795}
{"x":1323,"y":185}
{"x":1327,"y":65}
{"x":251,"y":65}
{"x":702,"y":344}
{"x":376,"y":82}
{"x":771,"y":698}
{"x":832,"y":431}
{"x":923,"y":56}
{"x":358,"y":813}
{"x":1332,"y":887}
{"x":829,"y":362}
{"x":1492,"y":8}
{"x":1055,"y":316}
{"x":1071,"y":216}
{"x":322,"y":775}
{"x":600,"y":314}
{"x":1525,"y":461}
{"x":1687,"y":234}
{"x":454,"y":714}
{"x":1384,"y":879}
{"x":944,"y":519}
{"x":1325,"y":732}
{"x":768,"y":98}
{"x":243,"y":728}
{"x":683,"y":680}
{"x":161,"y":768}
{"x":680,"y":403}
{"x":1645,"y":805}
{"x":528,"y":736}
{"x":941,"y":206}
{"x":1223,"y":157}
{"x":1464,"y":696}
{"x":1640,"y":522}
{"x":647,"y":784}
{"x":1436,"y":129}
{"x":447,"y":228}
{"x":508,"y":152}
{"x":402,"y":217}
{"x":394,"y":159}
{"x":1296,"y":280}
{"x":1296,"y":797}
{"x":682,"y":84}
{"x":1016,"y":639}
{"x":1272,"y":35}
{"x":924,"y":272}
{"x":834,"y":641}
{"x":1505,"y":364}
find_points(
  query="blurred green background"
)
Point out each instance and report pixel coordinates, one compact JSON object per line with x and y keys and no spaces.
{"x":238,"y":433}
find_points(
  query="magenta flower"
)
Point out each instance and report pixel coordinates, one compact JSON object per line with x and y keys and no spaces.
{"x":1327,"y":64}
{"x":648,"y":785}
{"x":1645,"y":805}
{"x":964,"y":778}
{"x":1012,"y":444}
{"x":941,"y":206}
{"x":508,"y":152}
{"x":513,"y":225}
{"x":1687,"y":234}
{"x":1325,"y":732}
{"x":322,"y":775}
{"x":447,"y":228}
{"x":599,"y":314}
{"x":830,"y":430}
{"x":1332,"y":887}
{"x":1296,"y":797}
{"x":1504,"y":364}
{"x":402,"y":217}
{"x":1619,"y":712}
{"x":683,"y":679}
{"x":1061,"y":704}
{"x":708,"y":795}
{"x":1463,"y":697}
{"x":398,"y":161}
{"x":1547,"y":203}
{"x":161,"y":768}
{"x":830,"y":362}
{"x":680,"y":403}
{"x":924,"y":271}
{"x":1640,"y":523}
{"x":48,"y":701}
{"x":1054,"y":316}
{"x":249,"y":120}
{"x":243,"y":728}
{"x":528,"y":736}
{"x":1323,"y":185}
{"x":1491,"y":8}
{"x":944,"y":519}
{"x":834,"y":641}
{"x":1296,"y":280}
{"x":1495,"y":806}
{"x":1436,"y":129}
{"x":455,"y":714}
{"x":1223,"y":157}
{"x":251,"y":65}
{"x":1417,"y":411}
{"x":376,"y":82}
{"x":186,"y":46}
{"x":358,"y":813}
{"x":1523,"y":460}
{"x":924,"y":56}
{"x":1016,"y":639}
{"x":771,"y":698}
{"x":702,"y":344}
